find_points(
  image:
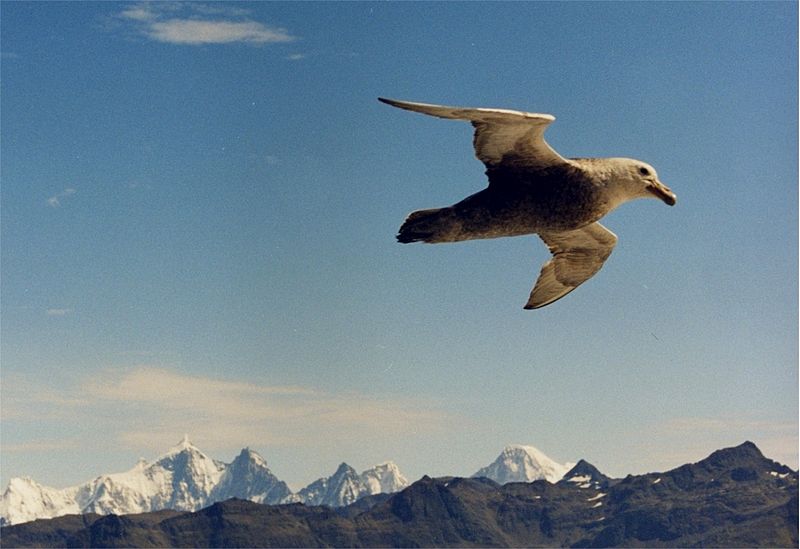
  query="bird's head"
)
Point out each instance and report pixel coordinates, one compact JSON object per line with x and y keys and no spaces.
{"x":637,"y":179}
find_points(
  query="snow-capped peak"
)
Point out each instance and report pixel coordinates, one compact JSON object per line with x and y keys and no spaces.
{"x":25,"y":499}
{"x":184,"y":478}
{"x":522,"y":463}
{"x":253,"y":456}
{"x":248,"y":477}
{"x":346,"y":486}
{"x":182,"y":446}
{"x":384,"y":478}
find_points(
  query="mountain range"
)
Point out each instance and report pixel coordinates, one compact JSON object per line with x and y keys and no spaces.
{"x":735,"y":497}
{"x":186,"y":479}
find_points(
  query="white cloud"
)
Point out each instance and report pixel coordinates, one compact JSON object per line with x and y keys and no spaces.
{"x":198,"y":24}
{"x":182,"y":31}
{"x":58,"y":312}
{"x":148,"y":408}
{"x":55,"y":200}
{"x":138,"y":13}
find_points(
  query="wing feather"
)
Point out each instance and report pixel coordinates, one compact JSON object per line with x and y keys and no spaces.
{"x":501,"y":135}
{"x":577,"y":256}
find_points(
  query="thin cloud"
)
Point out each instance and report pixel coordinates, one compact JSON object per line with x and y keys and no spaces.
{"x":46,"y":446}
{"x":199,"y":24}
{"x":146,"y":408}
{"x":58,"y":312}
{"x":55,"y":200}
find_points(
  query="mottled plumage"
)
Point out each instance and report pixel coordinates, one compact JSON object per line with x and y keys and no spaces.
{"x":533,"y":189}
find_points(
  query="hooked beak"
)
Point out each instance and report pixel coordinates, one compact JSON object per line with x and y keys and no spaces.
{"x":663,"y":192}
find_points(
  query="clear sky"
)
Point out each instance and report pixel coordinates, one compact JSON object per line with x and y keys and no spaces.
{"x":199,"y":204}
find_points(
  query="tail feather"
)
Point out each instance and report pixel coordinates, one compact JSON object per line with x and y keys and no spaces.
{"x":434,"y":225}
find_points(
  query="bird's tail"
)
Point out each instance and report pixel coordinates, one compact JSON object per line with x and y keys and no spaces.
{"x":437,"y":225}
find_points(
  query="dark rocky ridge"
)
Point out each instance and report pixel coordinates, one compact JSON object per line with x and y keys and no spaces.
{"x":735,"y":497}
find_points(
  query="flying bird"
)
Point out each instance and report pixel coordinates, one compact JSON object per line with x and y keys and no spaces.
{"x":534,"y":190}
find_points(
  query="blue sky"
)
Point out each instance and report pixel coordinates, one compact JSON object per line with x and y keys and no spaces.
{"x":199,"y":204}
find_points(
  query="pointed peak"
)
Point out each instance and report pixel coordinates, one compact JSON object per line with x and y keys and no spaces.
{"x":183,"y":446}
{"x":18,"y":482}
{"x":386,"y":465}
{"x":344,"y":468}
{"x":523,"y":463}
{"x":248,"y":454}
{"x":532,"y":451}
{"x":747,"y":451}
{"x":584,"y":470}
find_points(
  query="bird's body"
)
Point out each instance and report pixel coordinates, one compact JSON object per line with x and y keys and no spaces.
{"x":515,"y":203}
{"x":532,"y":189}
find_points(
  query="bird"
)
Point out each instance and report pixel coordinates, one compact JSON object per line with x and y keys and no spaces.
{"x":534,"y":190}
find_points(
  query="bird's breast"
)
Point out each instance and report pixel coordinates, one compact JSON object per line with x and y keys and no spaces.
{"x":560,"y":198}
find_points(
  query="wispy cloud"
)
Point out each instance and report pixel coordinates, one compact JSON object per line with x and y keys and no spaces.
{"x":148,"y":408}
{"x":198,"y":24}
{"x":58,"y":312}
{"x":41,"y":446}
{"x":55,"y":200}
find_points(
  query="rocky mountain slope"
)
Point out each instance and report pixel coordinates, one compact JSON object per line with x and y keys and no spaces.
{"x":735,"y":497}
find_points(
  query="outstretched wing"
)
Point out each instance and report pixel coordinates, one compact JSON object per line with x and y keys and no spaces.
{"x":577,"y":256}
{"x":501,"y":136}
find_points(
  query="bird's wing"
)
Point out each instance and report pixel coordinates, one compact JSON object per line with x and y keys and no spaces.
{"x":577,"y":256}
{"x":511,"y":137}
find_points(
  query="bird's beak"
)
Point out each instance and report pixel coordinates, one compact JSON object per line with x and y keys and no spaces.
{"x":663,"y":192}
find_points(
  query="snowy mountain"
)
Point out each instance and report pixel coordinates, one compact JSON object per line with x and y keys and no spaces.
{"x":248,"y":477}
{"x":517,"y":463}
{"x":25,"y":500}
{"x":385,"y":478}
{"x":186,"y":479}
{"x":346,"y":486}
{"x":180,"y":479}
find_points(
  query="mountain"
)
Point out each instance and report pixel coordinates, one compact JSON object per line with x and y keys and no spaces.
{"x":735,"y":497}
{"x":346,"y":486}
{"x":185,"y":479}
{"x":517,"y":463}
{"x":180,"y":479}
{"x":384,"y":478}
{"x":25,"y":499}
{"x":248,"y":477}
{"x":586,"y":475}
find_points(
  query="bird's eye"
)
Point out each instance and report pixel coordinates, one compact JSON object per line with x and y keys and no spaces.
{"x":644,"y":171}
